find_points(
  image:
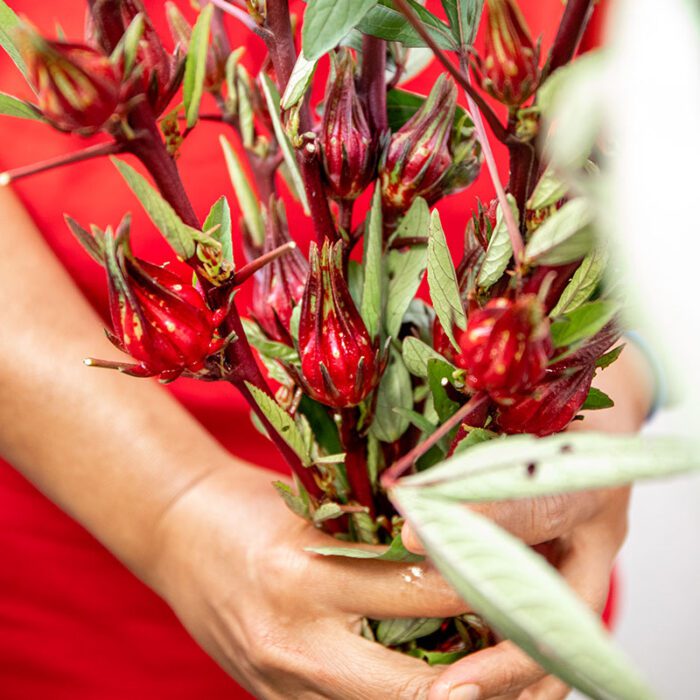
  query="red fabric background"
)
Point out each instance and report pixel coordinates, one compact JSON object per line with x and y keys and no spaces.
{"x":74,"y":623}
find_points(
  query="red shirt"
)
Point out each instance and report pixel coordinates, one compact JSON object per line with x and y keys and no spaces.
{"x":75,"y":624}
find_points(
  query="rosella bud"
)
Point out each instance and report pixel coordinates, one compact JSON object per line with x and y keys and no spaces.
{"x":158,"y":318}
{"x":550,"y":407}
{"x":349,"y":152}
{"x":279,"y":286}
{"x":340,"y":365}
{"x":509,"y":70}
{"x":77,"y":86}
{"x":162,"y":72}
{"x":417,"y":157}
{"x":181,"y":32}
{"x":506,"y":345}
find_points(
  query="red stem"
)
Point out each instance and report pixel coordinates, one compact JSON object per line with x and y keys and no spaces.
{"x":100,"y":149}
{"x":571,"y":28}
{"x":397,"y":469}
{"x":373,"y":82}
{"x":251,"y":268}
{"x":356,"y":460}
{"x":280,"y":44}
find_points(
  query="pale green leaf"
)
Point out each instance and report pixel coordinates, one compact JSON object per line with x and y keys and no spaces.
{"x":180,"y":236}
{"x":299,"y":81}
{"x":267,"y":347}
{"x":499,"y":251}
{"x":549,"y":190}
{"x":583,"y":282}
{"x":196,"y":65}
{"x":442,"y":281}
{"x":13,"y":107}
{"x":247,"y":201}
{"x":583,"y":322}
{"x":294,"y":502}
{"x":282,"y":422}
{"x":394,"y":392}
{"x":8,"y":23}
{"x":523,"y":466}
{"x":220,"y":216}
{"x":516,"y":591}
{"x":273,"y":106}
{"x":565,"y":236}
{"x":328,"y":511}
{"x":400,"y":630}
{"x":373,"y":284}
{"x":405,"y":268}
{"x":394,"y":552}
{"x":416,"y":354}
{"x":326,"y":22}
{"x":417,"y":419}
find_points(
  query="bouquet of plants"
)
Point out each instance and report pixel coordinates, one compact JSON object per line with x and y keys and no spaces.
{"x":385,"y":405}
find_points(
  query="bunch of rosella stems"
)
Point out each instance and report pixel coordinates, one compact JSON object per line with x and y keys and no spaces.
{"x":369,"y":380}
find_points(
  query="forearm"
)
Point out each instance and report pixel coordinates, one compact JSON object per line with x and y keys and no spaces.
{"x":112,"y":451}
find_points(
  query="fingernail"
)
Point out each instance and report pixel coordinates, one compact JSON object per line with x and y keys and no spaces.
{"x":465,"y":692}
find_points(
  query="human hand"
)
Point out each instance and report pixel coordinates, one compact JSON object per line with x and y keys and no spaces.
{"x":284,"y":622}
{"x":579,"y":533}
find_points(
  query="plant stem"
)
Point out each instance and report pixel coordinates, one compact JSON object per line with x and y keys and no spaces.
{"x":241,"y":15}
{"x":356,"y":460}
{"x":398,"y":468}
{"x":251,"y":268}
{"x":373,"y":82}
{"x":524,"y":164}
{"x":100,"y":149}
{"x":461,"y":76}
{"x":573,"y":24}
{"x":280,"y":44}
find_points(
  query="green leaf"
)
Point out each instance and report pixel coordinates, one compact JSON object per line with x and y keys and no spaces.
{"x":180,"y":236}
{"x":196,"y":65}
{"x":373,"y":285}
{"x":282,"y":422}
{"x":500,"y":250}
{"x":565,"y":236}
{"x":13,"y":107}
{"x":437,"y":658}
{"x":326,"y":22}
{"x":299,"y":81}
{"x":520,"y":595}
{"x":524,"y":466}
{"x":400,"y":630}
{"x":394,"y":392}
{"x":609,"y":357}
{"x":394,"y":552}
{"x":328,"y":511}
{"x":267,"y":347}
{"x":416,"y":355}
{"x":583,"y":283}
{"x":294,"y":502}
{"x":272,"y":99}
{"x":439,"y":377}
{"x":583,"y":322}
{"x":548,"y":190}
{"x":387,"y":23}
{"x":417,"y":419}
{"x":596,"y":400}
{"x":247,"y":201}
{"x":442,"y":281}
{"x":405,"y":268}
{"x":220,"y":215}
{"x":475,"y":437}
{"x":323,"y":426}
{"x":8,"y":23}
{"x":464,"y":17}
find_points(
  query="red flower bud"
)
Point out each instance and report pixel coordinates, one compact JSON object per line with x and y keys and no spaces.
{"x":161,"y":72}
{"x":506,"y":345}
{"x":279,"y":286}
{"x":77,"y":87}
{"x":349,"y":151}
{"x":550,"y":407}
{"x":509,"y":70}
{"x":158,"y":318}
{"x":418,"y":157}
{"x":340,"y":365}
